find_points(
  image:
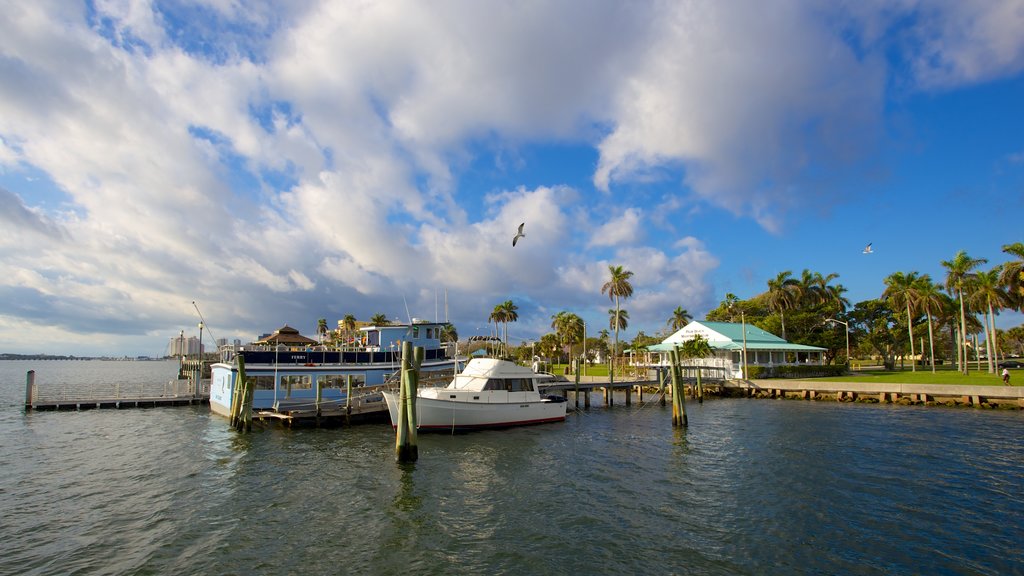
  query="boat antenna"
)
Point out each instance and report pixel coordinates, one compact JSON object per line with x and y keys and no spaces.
{"x":407,"y":309}
{"x":203,"y":320}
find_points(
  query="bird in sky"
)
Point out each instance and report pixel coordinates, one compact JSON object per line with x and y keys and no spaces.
{"x":518,"y":235}
{"x":867,"y":249}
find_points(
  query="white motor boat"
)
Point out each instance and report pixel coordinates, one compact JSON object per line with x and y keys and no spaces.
{"x":489,"y":393}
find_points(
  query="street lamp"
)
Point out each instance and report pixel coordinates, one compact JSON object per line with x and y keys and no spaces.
{"x":200,"y":341}
{"x":847,"y":325}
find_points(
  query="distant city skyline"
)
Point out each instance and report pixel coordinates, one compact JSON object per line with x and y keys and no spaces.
{"x":277,"y":163}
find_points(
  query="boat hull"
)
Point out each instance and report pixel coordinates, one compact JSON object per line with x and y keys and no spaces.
{"x":448,"y":415}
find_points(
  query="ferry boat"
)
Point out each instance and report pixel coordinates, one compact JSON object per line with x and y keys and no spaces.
{"x":488,"y":393}
{"x":291,"y":371}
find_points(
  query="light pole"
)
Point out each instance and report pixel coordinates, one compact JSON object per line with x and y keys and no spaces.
{"x":847,"y":325}
{"x":200,"y":341}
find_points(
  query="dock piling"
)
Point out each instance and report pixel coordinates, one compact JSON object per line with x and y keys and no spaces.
{"x":30,"y":384}
{"x":406,"y":449}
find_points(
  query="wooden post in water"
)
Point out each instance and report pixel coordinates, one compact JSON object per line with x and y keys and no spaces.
{"x":661,"y":384}
{"x":406,"y":449}
{"x":700,"y":387}
{"x":577,"y":395}
{"x":678,"y":401}
{"x":236,"y":392}
{"x":241,"y":403}
{"x":30,"y":385}
{"x":611,"y":384}
{"x":319,"y":399}
{"x":348,"y":400}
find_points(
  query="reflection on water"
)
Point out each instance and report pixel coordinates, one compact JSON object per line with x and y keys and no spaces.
{"x":750,"y":487}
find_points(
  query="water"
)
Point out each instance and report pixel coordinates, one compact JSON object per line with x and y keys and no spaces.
{"x":752,"y":487}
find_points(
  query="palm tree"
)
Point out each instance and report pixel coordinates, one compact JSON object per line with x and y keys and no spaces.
{"x":901,"y":291}
{"x":1012,"y":276}
{"x":680,"y":318}
{"x":987,"y":293}
{"x":958,"y":273}
{"x":449,"y":333}
{"x":347,"y":327}
{"x":379,"y":320}
{"x":697,"y":347}
{"x":497,"y":316}
{"x":618,"y":286}
{"x":782,"y":295}
{"x":929,"y":299}
{"x":321,"y":328}
{"x":618,"y":320}
{"x":509,"y":312}
{"x":728,"y":302}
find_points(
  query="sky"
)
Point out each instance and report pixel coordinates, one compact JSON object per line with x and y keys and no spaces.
{"x":280,"y":162}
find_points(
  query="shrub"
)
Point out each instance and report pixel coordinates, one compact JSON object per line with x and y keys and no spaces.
{"x":801,"y":371}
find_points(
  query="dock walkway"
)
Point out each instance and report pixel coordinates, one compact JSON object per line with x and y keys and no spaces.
{"x":114,"y":395}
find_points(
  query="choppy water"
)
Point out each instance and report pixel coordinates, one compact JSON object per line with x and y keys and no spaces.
{"x":752,"y":487}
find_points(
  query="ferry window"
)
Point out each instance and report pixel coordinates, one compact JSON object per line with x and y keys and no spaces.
{"x":297,"y":382}
{"x":324,"y":381}
{"x":494,"y":384}
{"x":261,"y":382}
{"x":340,"y":380}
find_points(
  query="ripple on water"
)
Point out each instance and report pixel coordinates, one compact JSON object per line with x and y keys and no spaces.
{"x":751,"y":487}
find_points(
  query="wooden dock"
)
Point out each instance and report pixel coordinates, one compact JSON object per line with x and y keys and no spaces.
{"x":366,"y":405}
{"x":113,"y":395}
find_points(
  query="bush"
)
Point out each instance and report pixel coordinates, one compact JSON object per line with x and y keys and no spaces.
{"x":801,"y":371}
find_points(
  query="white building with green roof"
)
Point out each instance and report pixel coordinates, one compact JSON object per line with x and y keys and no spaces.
{"x":727,"y":340}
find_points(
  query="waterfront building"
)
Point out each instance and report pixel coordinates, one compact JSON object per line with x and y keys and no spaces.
{"x":727,"y":341}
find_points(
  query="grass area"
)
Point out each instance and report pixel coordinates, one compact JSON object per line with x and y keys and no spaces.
{"x":943,"y":375}
{"x":925,"y":376}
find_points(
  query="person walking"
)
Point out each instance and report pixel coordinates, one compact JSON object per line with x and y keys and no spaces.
{"x":1006,"y":376}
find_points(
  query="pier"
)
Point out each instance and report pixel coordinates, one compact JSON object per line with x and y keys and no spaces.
{"x":190,"y":388}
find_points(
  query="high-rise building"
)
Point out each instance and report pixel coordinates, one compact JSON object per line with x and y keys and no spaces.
{"x":183,"y":346}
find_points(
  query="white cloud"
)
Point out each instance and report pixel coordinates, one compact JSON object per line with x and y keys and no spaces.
{"x":315,"y":153}
{"x":622,"y":230}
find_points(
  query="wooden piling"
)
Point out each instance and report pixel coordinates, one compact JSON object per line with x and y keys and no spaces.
{"x":629,"y":399}
{"x":242,"y":395}
{"x":406,"y":449}
{"x":661,"y":384}
{"x":678,"y":402}
{"x":577,"y":395}
{"x":30,"y":385}
{"x":348,"y":400}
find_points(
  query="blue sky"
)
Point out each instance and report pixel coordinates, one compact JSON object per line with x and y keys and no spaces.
{"x":279,"y":164}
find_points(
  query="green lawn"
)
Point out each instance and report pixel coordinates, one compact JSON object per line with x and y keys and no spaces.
{"x":925,"y":376}
{"x":943,"y":375}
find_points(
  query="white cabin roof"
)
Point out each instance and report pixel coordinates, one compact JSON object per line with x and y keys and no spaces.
{"x":479,"y":370}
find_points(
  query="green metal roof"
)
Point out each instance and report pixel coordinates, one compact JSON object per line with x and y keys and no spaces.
{"x":757,"y":339}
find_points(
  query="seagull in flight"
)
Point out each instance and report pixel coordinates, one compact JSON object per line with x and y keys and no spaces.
{"x":518,"y":235}
{"x":867,"y":249}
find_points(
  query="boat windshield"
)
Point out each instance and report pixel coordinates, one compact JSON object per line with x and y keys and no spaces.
{"x":510,"y":384}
